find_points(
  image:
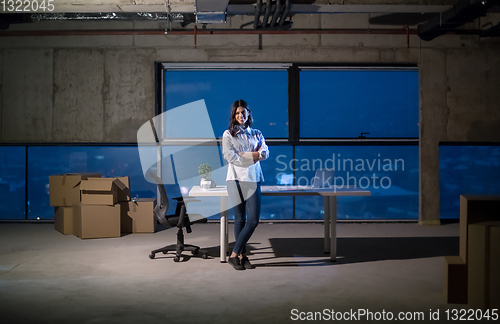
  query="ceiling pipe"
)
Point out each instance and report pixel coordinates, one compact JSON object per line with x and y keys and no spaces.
{"x":277,"y":13}
{"x":286,"y":12}
{"x":405,"y":31}
{"x":258,"y":9}
{"x":195,"y":34}
{"x":126,"y":32}
{"x":269,"y":5}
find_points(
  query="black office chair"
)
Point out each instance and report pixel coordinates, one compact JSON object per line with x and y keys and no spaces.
{"x":180,"y":220}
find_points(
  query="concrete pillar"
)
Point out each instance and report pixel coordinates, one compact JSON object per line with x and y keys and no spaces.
{"x":473,"y":95}
{"x":432,"y":125}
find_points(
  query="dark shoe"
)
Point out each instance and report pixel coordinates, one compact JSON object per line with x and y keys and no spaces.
{"x":235,"y":262}
{"x":246,"y":263}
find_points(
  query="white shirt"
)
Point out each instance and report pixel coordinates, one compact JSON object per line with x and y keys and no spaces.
{"x":246,"y":140}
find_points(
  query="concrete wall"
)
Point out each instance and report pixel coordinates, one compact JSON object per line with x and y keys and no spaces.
{"x":101,"y":88}
{"x":459,"y":102}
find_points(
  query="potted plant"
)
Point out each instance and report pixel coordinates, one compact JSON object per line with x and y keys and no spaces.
{"x":205,"y":171}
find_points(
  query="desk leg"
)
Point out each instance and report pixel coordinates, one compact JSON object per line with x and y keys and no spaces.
{"x":223,"y":229}
{"x":326,"y":209}
{"x":333,"y":228}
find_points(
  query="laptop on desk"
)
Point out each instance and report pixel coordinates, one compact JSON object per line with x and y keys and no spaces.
{"x":322,"y":179}
{"x":285,"y":179}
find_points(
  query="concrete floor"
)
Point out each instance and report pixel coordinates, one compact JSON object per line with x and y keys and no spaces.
{"x":47,"y":277}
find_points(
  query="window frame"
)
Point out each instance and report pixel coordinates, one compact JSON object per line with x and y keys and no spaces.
{"x":350,"y":67}
{"x":294,"y":70}
{"x":294,"y":138}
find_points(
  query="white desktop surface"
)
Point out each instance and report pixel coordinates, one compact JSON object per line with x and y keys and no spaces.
{"x":330,"y":208}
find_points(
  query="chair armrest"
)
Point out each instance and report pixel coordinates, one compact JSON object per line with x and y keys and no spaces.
{"x":183,"y":197}
{"x":201,"y":220}
{"x":190,"y":200}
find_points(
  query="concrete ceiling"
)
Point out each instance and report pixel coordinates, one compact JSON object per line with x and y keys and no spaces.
{"x":387,"y":12}
{"x":247,"y":6}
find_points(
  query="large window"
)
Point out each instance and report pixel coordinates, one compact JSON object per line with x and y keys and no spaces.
{"x":466,"y":170}
{"x":308,"y":114}
{"x":390,"y":173}
{"x":265,"y":91}
{"x":43,"y":161}
{"x":13,"y":182}
{"x":345,"y":103}
{"x":110,"y":161}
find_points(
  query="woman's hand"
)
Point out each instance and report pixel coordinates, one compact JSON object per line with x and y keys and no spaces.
{"x":253,"y":156}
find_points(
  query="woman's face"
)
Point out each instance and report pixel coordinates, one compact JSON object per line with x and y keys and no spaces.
{"x":241,"y":115}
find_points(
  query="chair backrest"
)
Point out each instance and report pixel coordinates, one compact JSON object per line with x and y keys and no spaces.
{"x":162,"y":206}
{"x":322,"y":178}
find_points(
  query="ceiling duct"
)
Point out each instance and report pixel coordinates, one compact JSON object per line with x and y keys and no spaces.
{"x":463,"y":12}
{"x":211,"y":11}
{"x":107,"y":16}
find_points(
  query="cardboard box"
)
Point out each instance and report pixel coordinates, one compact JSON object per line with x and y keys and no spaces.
{"x":139,"y":217}
{"x":101,"y":191}
{"x":483,"y":267}
{"x":495,"y":267}
{"x":455,"y":274}
{"x":124,"y":194}
{"x":64,"y":219}
{"x":125,"y":219}
{"x":473,"y":209}
{"x":476,"y":209}
{"x":93,"y":221}
{"x":65,"y":190}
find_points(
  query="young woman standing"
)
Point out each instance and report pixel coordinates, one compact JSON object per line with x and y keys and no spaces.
{"x":243,"y":147}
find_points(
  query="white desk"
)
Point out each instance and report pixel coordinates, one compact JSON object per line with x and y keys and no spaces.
{"x":330,"y":208}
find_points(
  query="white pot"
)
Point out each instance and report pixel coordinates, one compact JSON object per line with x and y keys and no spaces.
{"x":205,"y":184}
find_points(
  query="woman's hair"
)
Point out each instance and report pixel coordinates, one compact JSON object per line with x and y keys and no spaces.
{"x":234,"y":125}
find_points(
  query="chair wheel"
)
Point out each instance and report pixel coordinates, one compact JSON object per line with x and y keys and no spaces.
{"x":152,"y":256}
{"x":204,"y":256}
{"x":176,"y":259}
{"x":195,"y":252}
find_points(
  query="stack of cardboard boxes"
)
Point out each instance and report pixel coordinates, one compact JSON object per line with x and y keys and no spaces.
{"x":484,"y":266}
{"x":479,"y":216}
{"x":89,"y":206}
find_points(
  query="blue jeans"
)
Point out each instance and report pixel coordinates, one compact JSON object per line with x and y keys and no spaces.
{"x":246,"y":196}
